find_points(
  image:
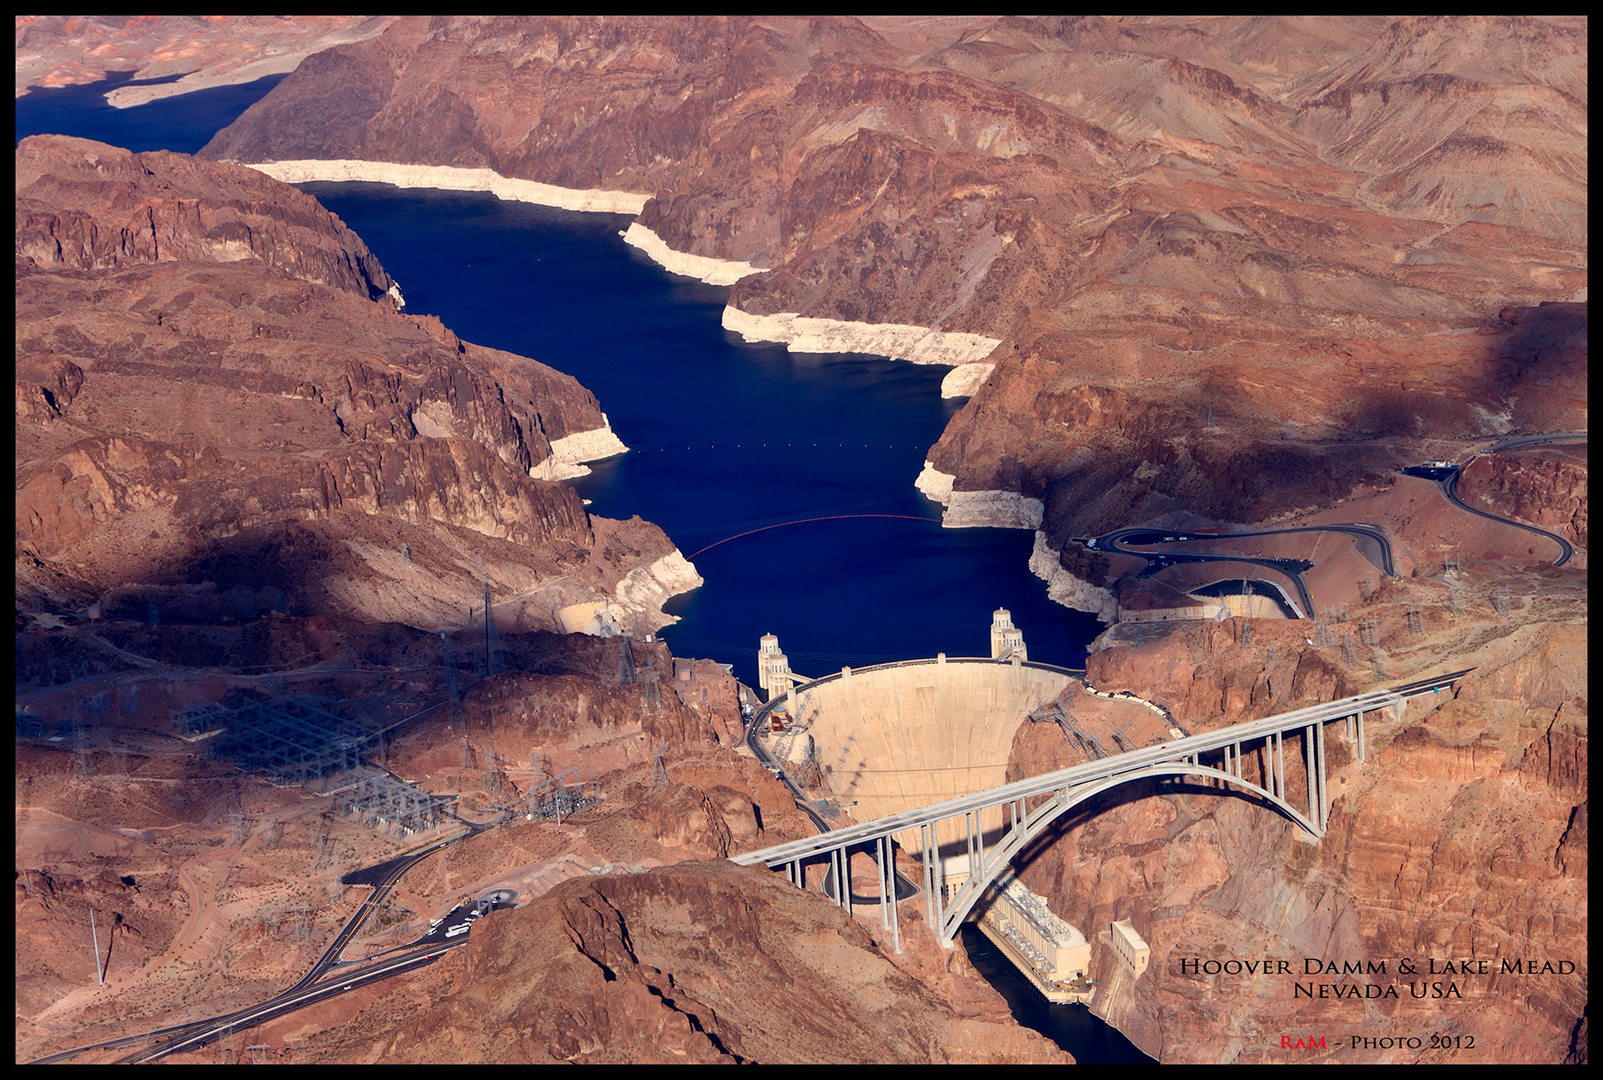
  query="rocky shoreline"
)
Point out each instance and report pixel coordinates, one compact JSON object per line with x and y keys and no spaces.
{"x":381,"y":444}
{"x":571,"y":455}
{"x":712,"y":271}
{"x":446,"y":178}
{"x":997,"y":509}
{"x":897,"y":341}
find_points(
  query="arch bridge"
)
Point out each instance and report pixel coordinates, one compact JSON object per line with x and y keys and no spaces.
{"x":1250,"y":756}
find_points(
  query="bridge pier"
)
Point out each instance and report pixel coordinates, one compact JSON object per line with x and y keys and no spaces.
{"x":1324,"y":787}
{"x":890,"y":917}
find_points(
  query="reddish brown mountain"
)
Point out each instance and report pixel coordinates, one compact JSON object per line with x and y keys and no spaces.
{"x":213,"y":384}
{"x":1177,"y":213}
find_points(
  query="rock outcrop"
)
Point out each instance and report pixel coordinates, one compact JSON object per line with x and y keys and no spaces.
{"x":1459,"y":838}
{"x":1541,"y":486}
{"x":1209,"y":263}
{"x":212,"y":376}
{"x":705,"y":963}
{"x":63,"y":50}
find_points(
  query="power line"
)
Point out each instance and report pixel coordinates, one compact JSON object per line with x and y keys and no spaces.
{"x":804,"y":521}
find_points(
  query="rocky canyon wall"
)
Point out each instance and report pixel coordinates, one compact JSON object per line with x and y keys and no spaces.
{"x":1460,"y":837}
{"x":1209,"y":265}
{"x":208,"y":362}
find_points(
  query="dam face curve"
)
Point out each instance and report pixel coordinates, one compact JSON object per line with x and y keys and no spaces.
{"x":900,"y":736}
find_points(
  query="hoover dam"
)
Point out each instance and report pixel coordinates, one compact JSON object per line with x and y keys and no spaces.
{"x":898,"y":736}
{"x":878,"y":741}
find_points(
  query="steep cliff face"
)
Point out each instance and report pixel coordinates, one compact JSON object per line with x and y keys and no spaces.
{"x":86,"y":206}
{"x":1544,"y":487}
{"x":1461,"y":837}
{"x":206,"y":359}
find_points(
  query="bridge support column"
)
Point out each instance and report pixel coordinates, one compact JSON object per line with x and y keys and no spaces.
{"x":1361,"y":747}
{"x":1308,"y":770}
{"x":1324,"y":791}
{"x":1280,"y":765}
{"x":929,"y":875}
{"x":890,"y":917}
{"x":934,"y":883}
{"x":976,"y":844}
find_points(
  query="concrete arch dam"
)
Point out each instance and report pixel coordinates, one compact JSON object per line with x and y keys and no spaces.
{"x":894,"y":737}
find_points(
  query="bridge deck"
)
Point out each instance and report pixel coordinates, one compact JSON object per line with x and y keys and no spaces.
{"x":1178,"y":750}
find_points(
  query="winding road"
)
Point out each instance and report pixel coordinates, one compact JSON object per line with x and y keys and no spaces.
{"x":1371,"y":541}
{"x":308,"y":991}
{"x":1449,"y":486}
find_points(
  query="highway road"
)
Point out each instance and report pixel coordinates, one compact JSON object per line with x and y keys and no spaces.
{"x":199,"y":1035}
{"x":1371,"y":540}
{"x":1449,"y":486}
{"x":308,"y":991}
{"x":1099,"y":769}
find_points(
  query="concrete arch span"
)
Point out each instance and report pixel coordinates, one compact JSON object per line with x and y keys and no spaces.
{"x":1029,"y":826}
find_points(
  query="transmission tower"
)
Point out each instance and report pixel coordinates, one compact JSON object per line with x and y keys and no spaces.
{"x":457,"y":722}
{"x":626,"y":661}
{"x":492,"y":642}
{"x":845,"y":749}
{"x":659,"y":771}
{"x":653,"y":691}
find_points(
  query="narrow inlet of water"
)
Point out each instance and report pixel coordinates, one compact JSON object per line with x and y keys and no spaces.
{"x":1075,"y":1028}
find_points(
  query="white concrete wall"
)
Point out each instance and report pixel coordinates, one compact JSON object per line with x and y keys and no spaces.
{"x":447,"y":178}
{"x":923,"y":734}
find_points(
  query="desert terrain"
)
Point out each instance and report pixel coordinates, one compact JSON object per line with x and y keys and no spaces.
{"x":1239,"y":272}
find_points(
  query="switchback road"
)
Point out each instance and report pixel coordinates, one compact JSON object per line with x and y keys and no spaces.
{"x":1371,"y":541}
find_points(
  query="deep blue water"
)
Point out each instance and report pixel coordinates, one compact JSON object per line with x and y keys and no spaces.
{"x":183,"y":124}
{"x":725,"y":438}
